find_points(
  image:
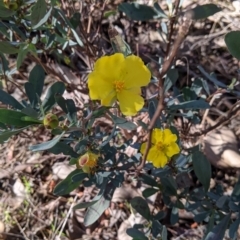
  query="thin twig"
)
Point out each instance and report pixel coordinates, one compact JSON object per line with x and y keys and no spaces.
{"x":20,"y":228}
{"x":68,"y":214}
{"x":183,"y":30}
{"x":232,"y":113}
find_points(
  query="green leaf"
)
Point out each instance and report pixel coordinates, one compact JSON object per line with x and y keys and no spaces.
{"x":95,"y":211}
{"x":201,"y":216}
{"x":79,"y":177}
{"x":14,"y":118}
{"x":63,"y":148}
{"x":5,"y":12}
{"x":109,"y":13}
{"x":38,"y":12}
{"x":236,"y":191}
{"x":194,"y":104}
{"x":222,"y":201}
{"x":160,"y":215}
{"x":138,"y":12}
{"x":171,"y":78}
{"x":8,"y":48}
{"x":44,"y":19}
{"x":159,"y":10}
{"x":169,"y":185}
{"x":46,"y":145}
{"x":57,"y":88}
{"x":9,"y":100}
{"x":211,"y":78}
{"x":30,"y":93}
{"x":80,"y":43}
{"x":219,"y":231}
{"x":22,"y":53}
{"x":233,"y":45}
{"x":149,"y":192}
{"x":75,"y":19}
{"x":156,"y":228}
{"x":233,"y":229}
{"x":152,"y":106}
{"x":141,"y":206}
{"x":164,"y":233}
{"x":36,"y":78}
{"x":136,"y":234}
{"x":5,"y":135}
{"x":149,"y":180}
{"x":174,"y":216}
{"x":35,"y":83}
{"x":66,"y":186}
{"x":202,"y":168}
{"x":205,"y":11}
{"x":189,"y":94}
{"x":123,"y":123}
{"x":84,"y":205}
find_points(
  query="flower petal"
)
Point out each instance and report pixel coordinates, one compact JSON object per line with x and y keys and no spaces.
{"x":135,"y":73}
{"x":157,"y":135}
{"x":158,"y":158}
{"x":110,"y":67}
{"x":99,"y":88}
{"x":169,"y":137}
{"x":172,"y":149}
{"x":143,"y":148}
{"x":130,"y":102}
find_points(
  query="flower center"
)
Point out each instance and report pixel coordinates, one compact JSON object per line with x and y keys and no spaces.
{"x":161,"y":146}
{"x":119,"y":86}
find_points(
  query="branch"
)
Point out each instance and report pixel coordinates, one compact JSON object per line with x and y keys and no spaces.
{"x":183,"y":30}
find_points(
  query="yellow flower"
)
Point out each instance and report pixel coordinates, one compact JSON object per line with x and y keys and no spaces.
{"x":87,"y":162}
{"x":118,"y":78}
{"x":163,"y":147}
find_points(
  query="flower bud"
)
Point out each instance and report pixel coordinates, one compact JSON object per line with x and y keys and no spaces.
{"x":87,"y":162}
{"x":50,"y":121}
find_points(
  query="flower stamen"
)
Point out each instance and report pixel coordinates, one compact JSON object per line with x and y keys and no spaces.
{"x":160,"y":146}
{"x":118,"y":85}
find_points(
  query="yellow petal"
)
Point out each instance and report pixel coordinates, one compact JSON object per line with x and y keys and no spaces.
{"x":99,"y":88}
{"x":130,"y":102}
{"x":169,"y":137}
{"x":143,"y":148}
{"x":157,"y":135}
{"x":135,"y":73}
{"x":172,"y":149}
{"x":158,"y":158}
{"x":110,"y":67}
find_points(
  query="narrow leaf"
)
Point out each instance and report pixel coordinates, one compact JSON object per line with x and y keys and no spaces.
{"x":194,"y":104}
{"x":9,"y":100}
{"x":84,"y":205}
{"x":13,"y":118}
{"x":123,"y":123}
{"x":36,"y":78}
{"x":5,"y":135}
{"x":57,"y":88}
{"x":202,"y":169}
{"x":46,"y":145}
{"x":38,"y":11}
{"x":63,"y":148}
{"x":219,"y":231}
{"x":66,"y":186}
{"x":8,"y":48}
